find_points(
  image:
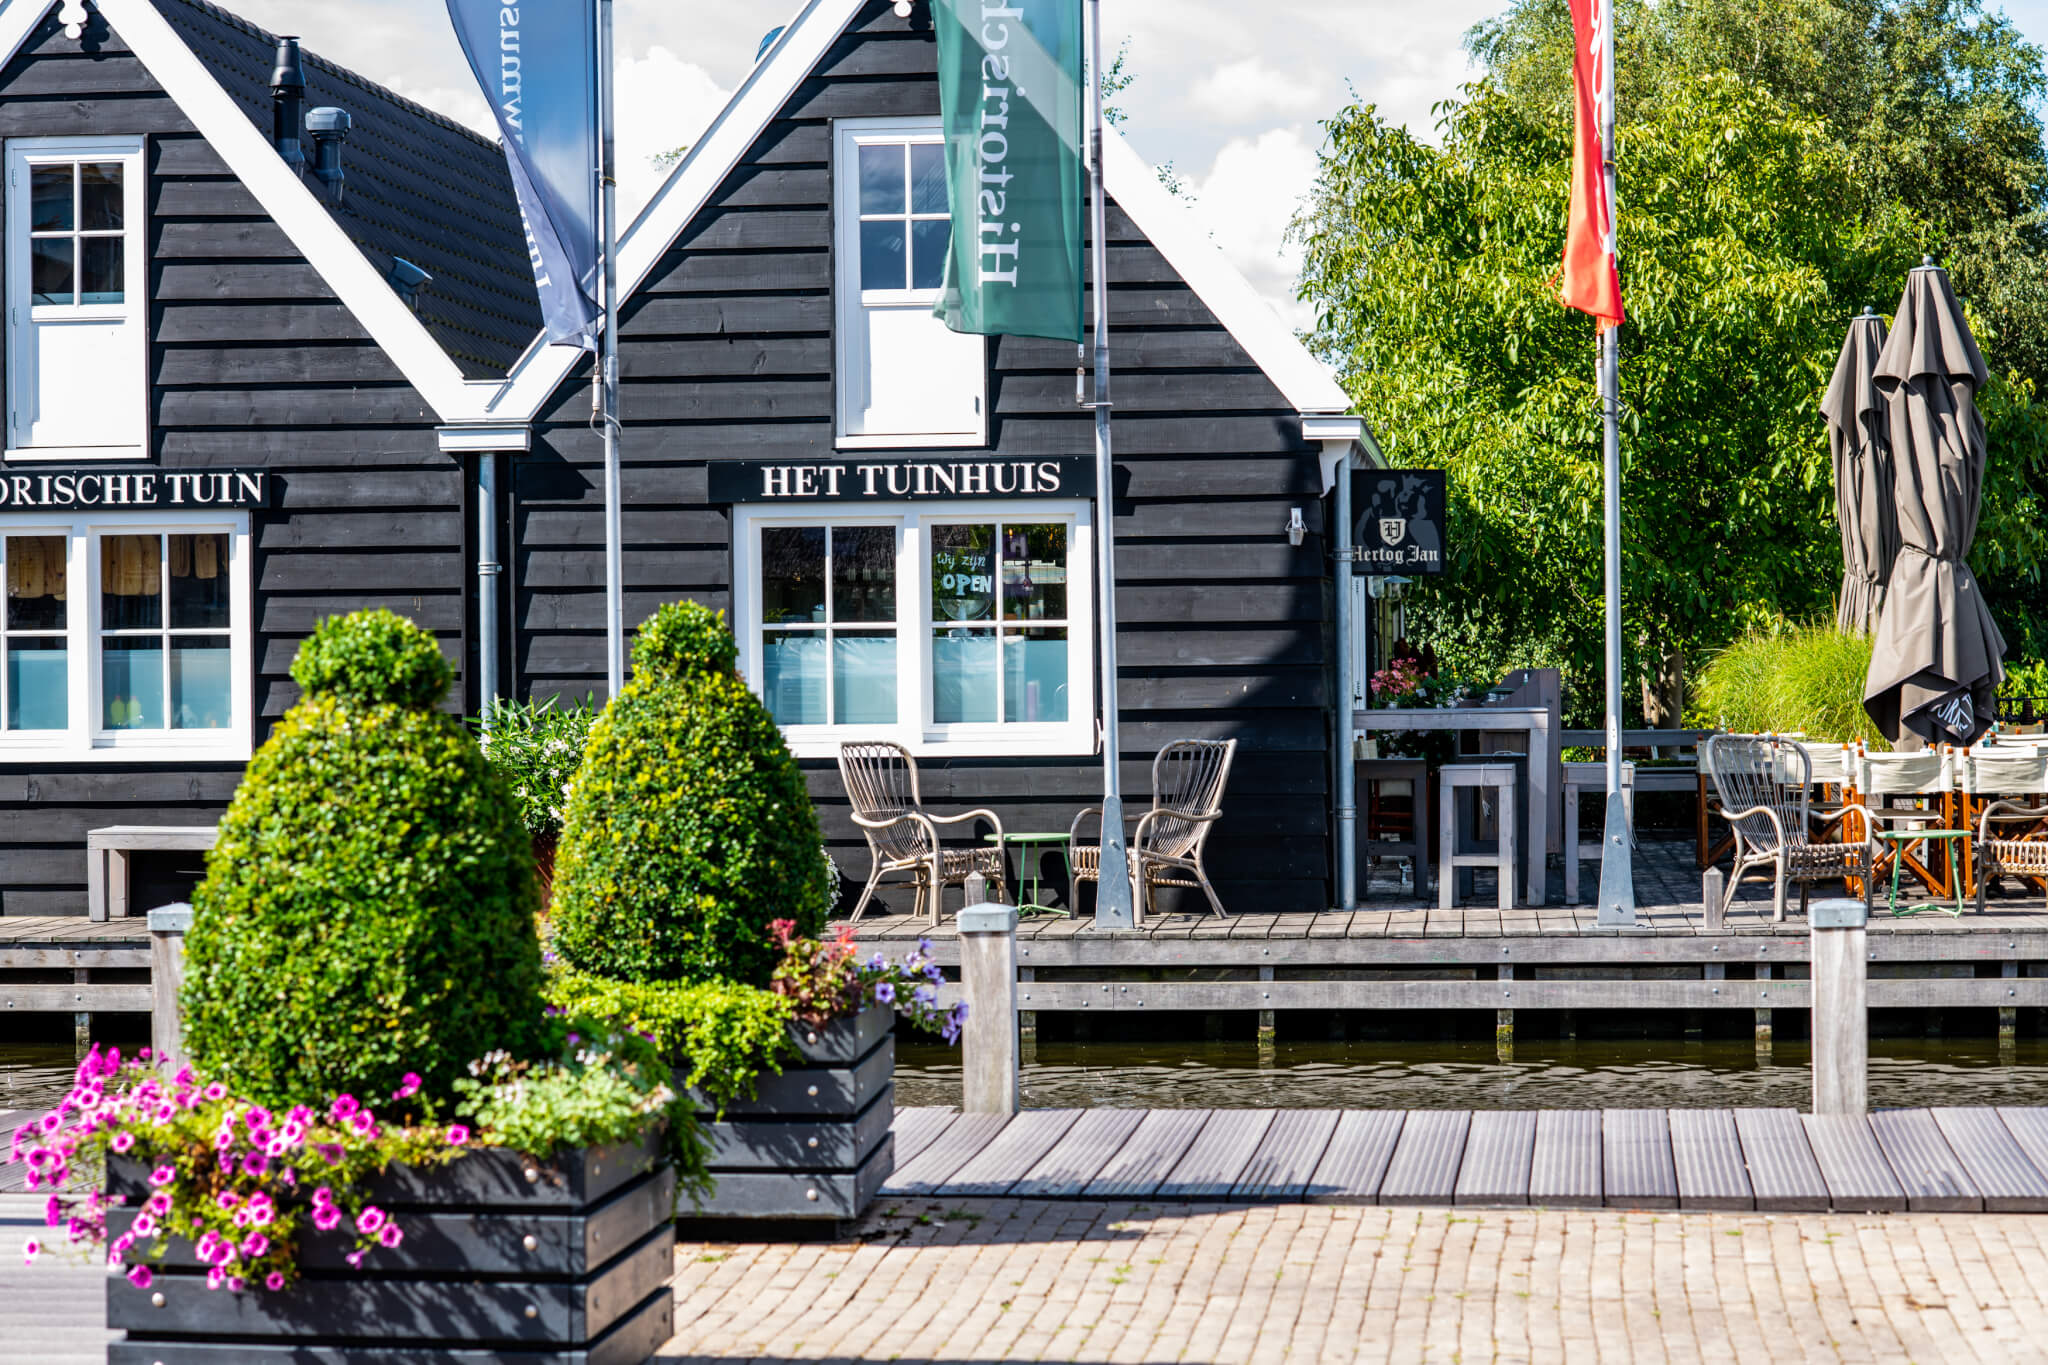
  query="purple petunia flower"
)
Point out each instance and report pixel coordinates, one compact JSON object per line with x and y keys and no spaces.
{"x":885,"y":992}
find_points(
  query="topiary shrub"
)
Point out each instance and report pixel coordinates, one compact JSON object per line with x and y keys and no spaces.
{"x":688,"y":829}
{"x":368,"y":908}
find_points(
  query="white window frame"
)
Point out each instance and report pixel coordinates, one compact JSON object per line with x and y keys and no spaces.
{"x":84,"y":739}
{"x":850,"y":304}
{"x":133,"y":310}
{"x":914,"y":728}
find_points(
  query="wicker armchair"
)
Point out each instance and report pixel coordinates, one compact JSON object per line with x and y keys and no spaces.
{"x":881,"y":783}
{"x":2012,"y":835}
{"x":1187,"y":799}
{"x":1765,"y":788}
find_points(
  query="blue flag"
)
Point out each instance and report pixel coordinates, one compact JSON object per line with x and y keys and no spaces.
{"x":537,"y":64}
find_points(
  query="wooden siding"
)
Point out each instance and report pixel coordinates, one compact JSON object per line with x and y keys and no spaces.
{"x":253,"y":362}
{"x":727,"y":354}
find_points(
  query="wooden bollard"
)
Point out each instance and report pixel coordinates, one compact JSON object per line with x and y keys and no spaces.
{"x":1713,"y":891}
{"x":990,"y":1059}
{"x":1841,"y":999}
{"x":168,"y":926}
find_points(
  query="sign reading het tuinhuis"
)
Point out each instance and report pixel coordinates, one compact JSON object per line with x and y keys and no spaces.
{"x":892,"y":480}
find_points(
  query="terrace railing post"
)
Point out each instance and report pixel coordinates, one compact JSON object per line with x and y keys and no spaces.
{"x":989,"y":1063}
{"x":167,"y":928}
{"x":1841,"y":998}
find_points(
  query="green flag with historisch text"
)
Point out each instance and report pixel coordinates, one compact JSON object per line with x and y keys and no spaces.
{"x":1010,"y":101}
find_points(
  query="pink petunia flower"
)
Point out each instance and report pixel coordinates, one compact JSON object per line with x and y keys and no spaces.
{"x":326,"y":1217}
{"x":141,"y":1276}
{"x":214,"y":1277}
{"x":407,"y":1087}
{"x":254,"y":1245}
{"x":30,"y":1250}
{"x":123,"y":1141}
{"x":343,"y":1106}
{"x":216,"y":1091}
{"x":163,"y":1175}
{"x":457,"y":1134}
{"x":53,"y":1212}
{"x":355,"y":1259}
{"x":234,"y":1284}
{"x":144,"y":1225}
{"x":370,"y":1219}
{"x":390,"y":1236}
{"x":274,"y":1281}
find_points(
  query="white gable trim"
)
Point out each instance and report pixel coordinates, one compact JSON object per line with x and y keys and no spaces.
{"x":288,"y":200}
{"x":1134,"y":185}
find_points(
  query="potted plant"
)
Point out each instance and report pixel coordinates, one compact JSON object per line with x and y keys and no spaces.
{"x":690,"y":892}
{"x":381,"y":1141}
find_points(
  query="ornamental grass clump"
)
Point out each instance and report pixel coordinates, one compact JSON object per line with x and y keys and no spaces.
{"x":368,"y":909}
{"x":1805,"y":680}
{"x":689,"y":830}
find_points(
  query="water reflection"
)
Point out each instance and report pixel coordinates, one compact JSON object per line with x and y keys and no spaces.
{"x":1648,"y":1074}
{"x":34,"y":1076}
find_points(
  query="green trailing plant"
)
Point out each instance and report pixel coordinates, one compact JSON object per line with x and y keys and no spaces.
{"x":1804,"y":679}
{"x":689,"y":829}
{"x":719,"y":1036}
{"x":536,"y":747}
{"x":368,"y":909}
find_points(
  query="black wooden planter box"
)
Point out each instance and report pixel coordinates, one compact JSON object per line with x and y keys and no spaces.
{"x":813,"y":1142}
{"x":504,"y":1260}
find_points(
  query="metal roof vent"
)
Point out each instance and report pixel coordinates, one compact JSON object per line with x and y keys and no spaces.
{"x":329,"y":128}
{"x":287,"y":97}
{"x":406,"y":278}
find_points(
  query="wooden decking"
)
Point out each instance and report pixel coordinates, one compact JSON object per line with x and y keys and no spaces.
{"x":70,"y":965}
{"x":1773,"y":1160}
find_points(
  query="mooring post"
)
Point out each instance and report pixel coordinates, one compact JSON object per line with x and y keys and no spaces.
{"x":1712,"y":889}
{"x":1027,"y":1021}
{"x":1841,"y":998}
{"x":1763,"y":1018}
{"x":989,"y":1062}
{"x":168,"y":926}
{"x":1266,"y":1021}
{"x":1504,"y":1018}
{"x":2008,"y":1015}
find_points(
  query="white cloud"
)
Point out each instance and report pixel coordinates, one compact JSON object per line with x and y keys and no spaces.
{"x":1251,"y":87}
{"x":662,"y":103}
{"x":1248,"y":196}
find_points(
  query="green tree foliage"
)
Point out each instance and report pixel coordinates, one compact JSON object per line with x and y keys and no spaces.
{"x":1749,"y":236}
{"x":369,"y":907}
{"x":689,"y":829}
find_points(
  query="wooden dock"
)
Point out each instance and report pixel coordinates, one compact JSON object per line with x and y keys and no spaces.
{"x":68,"y":964}
{"x":1770,"y":1160}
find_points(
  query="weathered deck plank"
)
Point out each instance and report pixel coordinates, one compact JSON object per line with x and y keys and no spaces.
{"x":1217,"y":1158}
{"x":1065,"y":1170}
{"x":1564,"y":1169}
{"x":1636,"y":1170}
{"x":963,"y":1138}
{"x":996,"y":1167}
{"x":2009,"y":1182}
{"x":1782,"y":1171}
{"x":1424,"y":1169}
{"x":1706,"y":1154}
{"x":1149,"y":1155}
{"x":1354,"y":1165}
{"x":917,"y":1127}
{"x":1288,"y":1155}
{"x":1859,"y":1178}
{"x":1934,"y":1180}
{"x":1499,"y":1149}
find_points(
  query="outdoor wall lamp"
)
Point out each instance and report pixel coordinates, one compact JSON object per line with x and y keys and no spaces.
{"x":1297,"y":529}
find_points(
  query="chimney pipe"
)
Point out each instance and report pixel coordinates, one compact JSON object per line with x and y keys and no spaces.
{"x":329,"y":128}
{"x":287,"y":96}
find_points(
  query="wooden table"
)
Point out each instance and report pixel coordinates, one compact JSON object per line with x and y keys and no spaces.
{"x":1533,"y":721}
{"x":106,"y":860}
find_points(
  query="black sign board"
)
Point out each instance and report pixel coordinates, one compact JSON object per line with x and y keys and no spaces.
{"x":858,"y":480}
{"x":70,"y":489}
{"x":1401,"y":521}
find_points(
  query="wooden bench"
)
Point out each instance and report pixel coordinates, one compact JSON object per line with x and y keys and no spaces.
{"x":107,"y":853}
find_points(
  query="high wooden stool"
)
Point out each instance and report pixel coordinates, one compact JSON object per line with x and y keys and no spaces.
{"x":1478,"y":778}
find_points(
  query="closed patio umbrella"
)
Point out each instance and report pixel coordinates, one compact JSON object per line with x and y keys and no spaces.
{"x":1934,"y":666}
{"x":1859,"y":439}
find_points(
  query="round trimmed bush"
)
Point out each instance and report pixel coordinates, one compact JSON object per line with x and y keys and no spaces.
{"x":688,"y":829}
{"x":368,"y":908}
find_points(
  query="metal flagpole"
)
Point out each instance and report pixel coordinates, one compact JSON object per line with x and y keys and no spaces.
{"x":1113,"y":900}
{"x":1617,"y":873}
{"x":605,"y":380}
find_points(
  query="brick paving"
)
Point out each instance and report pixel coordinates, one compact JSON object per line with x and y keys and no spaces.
{"x":997,"y":1280}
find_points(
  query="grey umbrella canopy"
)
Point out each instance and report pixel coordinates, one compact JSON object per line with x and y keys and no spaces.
{"x":1859,"y":437}
{"x":1934,"y":666}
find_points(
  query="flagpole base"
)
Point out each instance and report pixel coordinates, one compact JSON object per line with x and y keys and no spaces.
{"x":1617,"y":904}
{"x":1114,"y":906}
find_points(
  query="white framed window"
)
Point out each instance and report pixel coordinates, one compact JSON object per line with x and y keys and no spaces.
{"x":904,"y":379}
{"x":125,"y":635}
{"x":77,"y":312}
{"x":948,"y":627}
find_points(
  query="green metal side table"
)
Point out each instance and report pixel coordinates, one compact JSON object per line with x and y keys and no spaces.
{"x":1947,"y":838}
{"x":1031,"y":847}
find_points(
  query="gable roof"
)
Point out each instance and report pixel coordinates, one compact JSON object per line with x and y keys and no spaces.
{"x":350,"y":250}
{"x":1133,"y":184}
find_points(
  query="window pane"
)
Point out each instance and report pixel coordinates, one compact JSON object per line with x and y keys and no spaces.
{"x":100,"y":274}
{"x":881,"y":255}
{"x":928,"y":242}
{"x":132,"y":683}
{"x":963,"y":676}
{"x":792,"y":574}
{"x":99,"y":196}
{"x":1034,"y":573}
{"x":49,"y":199}
{"x":131,"y":583}
{"x":927,"y":177}
{"x":863,"y":573}
{"x":881,"y":178}
{"x":200,"y":670}
{"x":793,"y":676}
{"x":963,"y":573}
{"x":199,"y":582}
{"x":35,"y":582}
{"x":1035,"y":675}
{"x":49,"y":269}
{"x":864,"y":678}
{"x":38,"y":687}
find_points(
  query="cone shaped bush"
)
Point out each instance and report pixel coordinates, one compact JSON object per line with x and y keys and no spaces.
{"x":688,"y":828}
{"x":368,"y":909}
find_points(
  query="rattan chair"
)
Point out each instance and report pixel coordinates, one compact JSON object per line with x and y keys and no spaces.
{"x":2021,"y":849}
{"x":1765,"y":787}
{"x":881,"y":784}
{"x":1188,"y":778}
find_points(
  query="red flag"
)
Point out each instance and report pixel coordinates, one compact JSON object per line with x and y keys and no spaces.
{"x":1591,"y":283}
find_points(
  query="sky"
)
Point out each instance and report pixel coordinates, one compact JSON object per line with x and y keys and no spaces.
{"x":1230,"y":93}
